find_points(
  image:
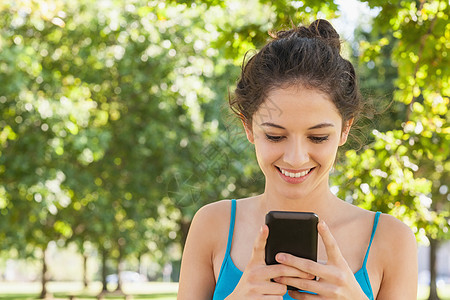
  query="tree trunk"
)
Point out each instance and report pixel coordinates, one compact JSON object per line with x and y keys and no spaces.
{"x":142,"y":268}
{"x":85,"y":280}
{"x":104,"y":254}
{"x":44,"y":279}
{"x":434,"y":244}
{"x":140,"y":263}
{"x":119,"y":270}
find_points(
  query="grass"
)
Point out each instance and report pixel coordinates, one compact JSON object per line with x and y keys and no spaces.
{"x":61,"y":290}
{"x":140,"y":291}
{"x":443,"y":292}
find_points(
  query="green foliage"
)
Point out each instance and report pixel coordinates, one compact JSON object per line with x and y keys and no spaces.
{"x":114,"y":127}
{"x":90,"y":97}
{"x":405,"y":171}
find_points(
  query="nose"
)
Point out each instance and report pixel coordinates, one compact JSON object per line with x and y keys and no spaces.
{"x":296,"y":153}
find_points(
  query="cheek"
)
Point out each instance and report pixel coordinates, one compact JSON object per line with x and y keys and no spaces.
{"x":325,"y":152}
{"x":266,"y":152}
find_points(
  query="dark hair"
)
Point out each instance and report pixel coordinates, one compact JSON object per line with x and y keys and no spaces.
{"x":305,"y":56}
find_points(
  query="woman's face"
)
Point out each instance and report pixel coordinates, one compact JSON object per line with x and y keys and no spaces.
{"x":296,"y":133}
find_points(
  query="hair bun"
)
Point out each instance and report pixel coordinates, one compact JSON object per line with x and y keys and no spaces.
{"x":324,"y":29}
{"x":320,"y":28}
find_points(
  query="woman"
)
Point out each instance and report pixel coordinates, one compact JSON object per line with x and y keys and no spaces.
{"x":362,"y":254}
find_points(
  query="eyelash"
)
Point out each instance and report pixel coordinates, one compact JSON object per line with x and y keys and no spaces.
{"x":318,"y":139}
{"x":274,"y":138}
{"x":314,"y":139}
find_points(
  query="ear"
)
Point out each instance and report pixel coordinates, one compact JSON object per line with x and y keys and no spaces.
{"x":248,"y":131}
{"x":345,"y":131}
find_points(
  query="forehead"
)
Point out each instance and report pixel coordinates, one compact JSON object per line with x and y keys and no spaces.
{"x":297,"y":105}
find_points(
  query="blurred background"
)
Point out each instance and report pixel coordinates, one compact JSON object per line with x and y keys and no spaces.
{"x":115,"y":130}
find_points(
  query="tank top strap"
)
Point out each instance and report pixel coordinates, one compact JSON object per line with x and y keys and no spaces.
{"x":231,"y":230}
{"x":375,"y":224}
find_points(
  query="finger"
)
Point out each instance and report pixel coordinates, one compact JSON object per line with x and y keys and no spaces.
{"x":279,"y":270}
{"x":272,"y":288}
{"x":303,"y":295}
{"x":311,"y":286}
{"x":305,"y":265}
{"x":259,"y":248}
{"x":333,"y":252}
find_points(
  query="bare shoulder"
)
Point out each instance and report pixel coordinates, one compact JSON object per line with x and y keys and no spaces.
{"x":396,"y":249}
{"x":394,"y":233}
{"x":395,"y":240}
{"x":215,"y":212}
{"x":207,"y":233}
{"x":209,"y":221}
{"x":390,"y":230}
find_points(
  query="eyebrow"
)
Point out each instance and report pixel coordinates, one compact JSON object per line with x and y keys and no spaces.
{"x":272,"y":125}
{"x":321,"y":125}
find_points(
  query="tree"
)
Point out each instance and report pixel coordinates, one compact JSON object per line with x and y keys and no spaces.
{"x":114,"y":128}
{"x":220,"y":162}
{"x":405,"y":171}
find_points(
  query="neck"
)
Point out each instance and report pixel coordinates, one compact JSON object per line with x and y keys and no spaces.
{"x":319,"y":201}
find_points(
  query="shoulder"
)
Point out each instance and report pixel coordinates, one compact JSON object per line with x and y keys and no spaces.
{"x":391,"y":231}
{"x":210,"y":220}
{"x":213,"y":213}
{"x":396,"y":249}
{"x":214,"y":208}
{"x":206,"y":234}
{"x":394,"y":240}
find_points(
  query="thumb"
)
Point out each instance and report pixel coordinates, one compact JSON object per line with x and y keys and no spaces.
{"x":259,"y":247}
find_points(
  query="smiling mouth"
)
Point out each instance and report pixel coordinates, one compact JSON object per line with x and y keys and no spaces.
{"x":294,"y":174}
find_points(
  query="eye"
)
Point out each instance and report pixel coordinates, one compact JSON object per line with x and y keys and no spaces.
{"x":274,"y":138}
{"x":318,"y":139}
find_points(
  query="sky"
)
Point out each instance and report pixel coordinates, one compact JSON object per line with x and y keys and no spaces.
{"x":353,"y":13}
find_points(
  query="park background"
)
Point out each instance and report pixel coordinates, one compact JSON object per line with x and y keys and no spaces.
{"x":114,"y":130}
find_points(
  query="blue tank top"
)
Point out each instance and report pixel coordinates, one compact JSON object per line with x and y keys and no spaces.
{"x":230,"y":275}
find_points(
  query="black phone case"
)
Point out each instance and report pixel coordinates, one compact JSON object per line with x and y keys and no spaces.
{"x":291,"y":232}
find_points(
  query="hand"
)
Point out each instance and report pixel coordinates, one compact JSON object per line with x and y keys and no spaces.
{"x":336,"y":279}
{"x":256,"y":281}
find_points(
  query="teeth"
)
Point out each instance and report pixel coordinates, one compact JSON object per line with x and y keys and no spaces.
{"x":294,"y":175}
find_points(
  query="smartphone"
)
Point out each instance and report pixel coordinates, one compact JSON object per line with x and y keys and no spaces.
{"x":291,"y":232}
